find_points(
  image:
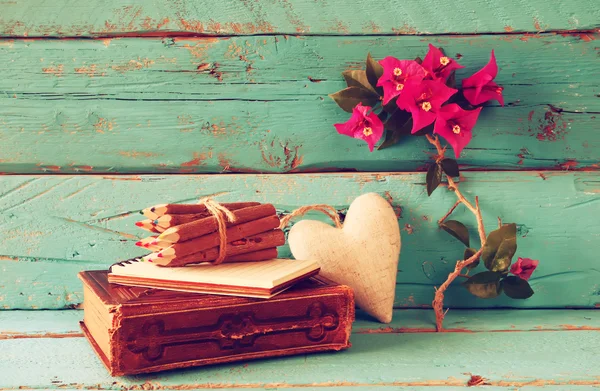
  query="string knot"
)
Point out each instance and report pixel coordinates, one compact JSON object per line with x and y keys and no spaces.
{"x":324,"y":208}
{"x":222,"y":215}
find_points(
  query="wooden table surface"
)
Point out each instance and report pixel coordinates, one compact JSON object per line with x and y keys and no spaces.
{"x":512,"y":349}
{"x":107,"y":107}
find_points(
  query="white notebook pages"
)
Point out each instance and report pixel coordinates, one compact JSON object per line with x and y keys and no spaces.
{"x":251,"y":279}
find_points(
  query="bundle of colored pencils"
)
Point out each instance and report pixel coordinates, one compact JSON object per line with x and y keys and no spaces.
{"x":188,"y":233}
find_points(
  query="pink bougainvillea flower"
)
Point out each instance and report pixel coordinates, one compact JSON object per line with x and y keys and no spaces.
{"x":396,"y":73}
{"x":423,"y":100}
{"x":480,"y":87}
{"x":367,"y":127}
{"x":524,"y":267}
{"x":438,"y":65}
{"x":455,"y":125}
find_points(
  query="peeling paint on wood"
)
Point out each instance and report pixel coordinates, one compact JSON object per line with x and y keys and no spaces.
{"x":54,"y":226}
{"x":113,"y":17}
{"x":198,"y":98}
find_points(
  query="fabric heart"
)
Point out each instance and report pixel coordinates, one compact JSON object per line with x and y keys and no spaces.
{"x":363,"y":254}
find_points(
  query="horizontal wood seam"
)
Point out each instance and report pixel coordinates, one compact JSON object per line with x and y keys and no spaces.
{"x":387,"y":330}
{"x":183,"y":34}
{"x":426,"y":383}
{"x":116,"y":176}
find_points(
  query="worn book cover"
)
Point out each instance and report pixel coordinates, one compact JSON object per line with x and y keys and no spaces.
{"x":140,"y":330}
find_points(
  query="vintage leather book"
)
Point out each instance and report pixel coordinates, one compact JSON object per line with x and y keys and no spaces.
{"x":140,"y":330}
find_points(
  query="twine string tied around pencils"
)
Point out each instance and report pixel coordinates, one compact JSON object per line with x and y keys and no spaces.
{"x":222,"y":215}
{"x":324,"y":208}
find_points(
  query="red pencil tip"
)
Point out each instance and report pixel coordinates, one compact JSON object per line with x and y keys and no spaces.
{"x":146,"y":245}
{"x":139,"y":244}
{"x":154,"y":243}
{"x":150,"y":260}
{"x":139,"y":224}
{"x":159,"y":255}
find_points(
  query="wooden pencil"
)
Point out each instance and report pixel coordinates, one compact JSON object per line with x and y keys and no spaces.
{"x":263,"y":241}
{"x":168,"y":221}
{"x":156,"y":211}
{"x":146,"y":241}
{"x":234,"y":233}
{"x":149,"y":226}
{"x":207,"y":225}
{"x":172,"y":220}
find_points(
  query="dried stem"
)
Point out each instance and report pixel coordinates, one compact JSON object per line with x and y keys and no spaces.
{"x":438,"y":301}
{"x":440,"y":221}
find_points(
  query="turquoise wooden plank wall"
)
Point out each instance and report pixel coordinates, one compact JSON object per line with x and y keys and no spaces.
{"x":253,"y":107}
{"x":113,"y":89}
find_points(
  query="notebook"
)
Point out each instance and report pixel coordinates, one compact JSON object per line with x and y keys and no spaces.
{"x":263,"y":279}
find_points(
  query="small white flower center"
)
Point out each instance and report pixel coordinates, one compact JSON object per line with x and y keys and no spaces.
{"x":397,"y":71}
{"x":399,"y":87}
{"x":456,"y":129}
{"x":426,"y":106}
{"x":444,"y":61}
{"x":367,"y":131}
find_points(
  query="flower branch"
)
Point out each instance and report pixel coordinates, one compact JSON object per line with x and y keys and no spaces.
{"x":438,"y":301}
{"x":395,"y":98}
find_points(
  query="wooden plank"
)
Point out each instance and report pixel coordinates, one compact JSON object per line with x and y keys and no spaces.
{"x":100,"y":18}
{"x":390,"y":388}
{"x":142,"y":106}
{"x":559,"y":358}
{"x":51,"y":227}
{"x":63,"y":324}
{"x":40,"y":324}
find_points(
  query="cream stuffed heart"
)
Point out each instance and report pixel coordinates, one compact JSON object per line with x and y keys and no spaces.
{"x":363,"y":254}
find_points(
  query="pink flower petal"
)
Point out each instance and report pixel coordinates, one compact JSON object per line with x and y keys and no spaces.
{"x":480,"y":88}
{"x":389,"y":91}
{"x":524,"y":268}
{"x":453,"y":115}
{"x":410,"y":71}
{"x":421,"y":119}
{"x":430,"y":92}
{"x":432,"y":64}
{"x":363,"y":126}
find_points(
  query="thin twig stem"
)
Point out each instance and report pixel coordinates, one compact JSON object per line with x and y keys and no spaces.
{"x":440,"y":221}
{"x":438,"y":301}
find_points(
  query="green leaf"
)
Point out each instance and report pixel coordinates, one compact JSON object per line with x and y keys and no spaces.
{"x":349,"y":97}
{"x":517,"y":288}
{"x":469,"y":252}
{"x":374,"y":72}
{"x":433,"y":178}
{"x":485,"y":285}
{"x":500,"y":247}
{"x":391,"y":107}
{"x":357,"y":78}
{"x":400,"y":121}
{"x":450,"y":167}
{"x":456,"y":229}
{"x":382,"y":115}
{"x":504,"y":255}
{"x":397,"y":125}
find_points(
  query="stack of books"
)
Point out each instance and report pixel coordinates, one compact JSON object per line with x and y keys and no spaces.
{"x":174,"y":308}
